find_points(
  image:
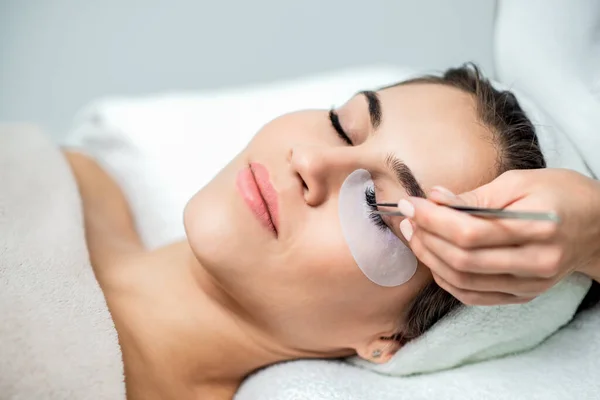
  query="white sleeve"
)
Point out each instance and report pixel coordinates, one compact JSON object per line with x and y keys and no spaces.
{"x":550,"y":49}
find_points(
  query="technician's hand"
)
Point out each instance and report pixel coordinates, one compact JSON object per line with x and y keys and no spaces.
{"x":488,"y":262}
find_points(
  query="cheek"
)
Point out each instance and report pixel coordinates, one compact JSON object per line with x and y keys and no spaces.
{"x":315,"y":277}
{"x":324,"y":281}
{"x":320,"y":254}
{"x":327,"y":294}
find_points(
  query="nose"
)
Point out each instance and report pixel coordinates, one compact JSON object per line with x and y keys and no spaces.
{"x":320,"y":169}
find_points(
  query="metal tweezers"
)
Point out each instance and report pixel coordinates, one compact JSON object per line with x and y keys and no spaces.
{"x":483,"y":212}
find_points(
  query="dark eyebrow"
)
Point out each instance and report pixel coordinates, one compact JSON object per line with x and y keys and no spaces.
{"x":405,"y":176}
{"x":374,"y":107}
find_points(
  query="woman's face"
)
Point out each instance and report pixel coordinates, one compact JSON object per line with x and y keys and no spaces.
{"x":297,"y":278}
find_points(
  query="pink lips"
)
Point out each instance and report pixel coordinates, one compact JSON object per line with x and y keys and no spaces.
{"x":257,"y":191}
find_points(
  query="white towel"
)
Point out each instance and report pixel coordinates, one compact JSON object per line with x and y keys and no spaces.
{"x":564,"y":367}
{"x":57,"y":339}
{"x":475,"y":334}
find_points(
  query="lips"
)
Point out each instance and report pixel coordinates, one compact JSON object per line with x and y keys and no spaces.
{"x":259,"y":194}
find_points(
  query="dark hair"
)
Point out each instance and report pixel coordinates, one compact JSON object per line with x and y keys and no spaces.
{"x":514,"y":137}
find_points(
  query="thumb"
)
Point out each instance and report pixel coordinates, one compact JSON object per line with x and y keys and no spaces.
{"x":441,"y":195}
{"x":499,"y":193}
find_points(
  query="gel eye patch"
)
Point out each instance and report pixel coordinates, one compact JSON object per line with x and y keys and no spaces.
{"x":379,"y":254}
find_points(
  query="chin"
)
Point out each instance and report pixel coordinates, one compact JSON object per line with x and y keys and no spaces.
{"x":217,"y":233}
{"x":206,"y":230}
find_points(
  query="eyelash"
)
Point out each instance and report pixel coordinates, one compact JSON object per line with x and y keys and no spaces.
{"x":371,"y":199}
{"x":335,"y":123}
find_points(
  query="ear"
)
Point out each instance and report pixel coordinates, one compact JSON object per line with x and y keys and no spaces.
{"x":380,"y":350}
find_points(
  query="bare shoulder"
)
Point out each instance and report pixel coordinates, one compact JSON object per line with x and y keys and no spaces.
{"x":109,"y":223}
{"x":85,"y":168}
{"x":74,"y":156}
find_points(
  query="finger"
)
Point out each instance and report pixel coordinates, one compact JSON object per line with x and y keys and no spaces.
{"x":506,"y":189}
{"x":468,"y":297}
{"x":473,"y":298}
{"x":489,"y":282}
{"x":441,"y":195}
{"x":469,"y":232}
{"x":538,"y":263}
{"x":431,"y":261}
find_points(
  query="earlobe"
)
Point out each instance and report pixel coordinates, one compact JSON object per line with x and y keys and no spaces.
{"x":380,"y":350}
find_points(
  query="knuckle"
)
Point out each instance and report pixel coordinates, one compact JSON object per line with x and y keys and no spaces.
{"x":444,"y":284}
{"x":548,"y":231}
{"x":546,"y":271}
{"x":513,"y":175}
{"x":461,"y":261}
{"x":424,"y":218}
{"x":440,"y":282}
{"x":555,"y":259}
{"x":550,"y":263}
{"x":542,"y":286}
{"x":462,"y":280}
{"x":465,"y":236}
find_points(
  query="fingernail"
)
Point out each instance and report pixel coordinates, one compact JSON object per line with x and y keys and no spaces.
{"x":406,"y":229}
{"x":406,"y":208}
{"x":442,"y":190}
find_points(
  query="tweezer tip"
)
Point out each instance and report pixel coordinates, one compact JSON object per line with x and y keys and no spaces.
{"x":554,"y":218}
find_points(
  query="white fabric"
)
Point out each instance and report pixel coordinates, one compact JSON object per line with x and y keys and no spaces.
{"x":475,"y":334}
{"x":162,"y":149}
{"x":57,"y":339}
{"x":550,"y":49}
{"x":565,"y":367}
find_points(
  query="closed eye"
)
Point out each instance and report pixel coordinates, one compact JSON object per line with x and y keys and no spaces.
{"x":335,"y":123}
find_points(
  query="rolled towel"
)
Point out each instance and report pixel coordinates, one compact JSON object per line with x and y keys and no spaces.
{"x":478,"y":333}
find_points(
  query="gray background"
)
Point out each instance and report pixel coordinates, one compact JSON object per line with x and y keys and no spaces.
{"x":57,"y":55}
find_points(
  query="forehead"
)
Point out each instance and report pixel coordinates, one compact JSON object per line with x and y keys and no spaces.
{"x":434,"y":129}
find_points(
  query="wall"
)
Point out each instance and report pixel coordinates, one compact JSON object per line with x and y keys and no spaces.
{"x":57,"y":55}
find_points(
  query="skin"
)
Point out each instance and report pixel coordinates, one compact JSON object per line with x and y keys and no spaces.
{"x":196,"y":317}
{"x":490,"y":262}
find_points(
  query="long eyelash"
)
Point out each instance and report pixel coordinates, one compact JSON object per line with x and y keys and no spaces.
{"x":371,"y":199}
{"x":335,"y":122}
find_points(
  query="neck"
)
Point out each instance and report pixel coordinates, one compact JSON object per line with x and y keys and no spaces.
{"x":167,"y":307}
{"x":232,"y":346}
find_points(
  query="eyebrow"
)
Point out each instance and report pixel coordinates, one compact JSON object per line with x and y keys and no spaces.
{"x":374,"y":107}
{"x":403,"y":174}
